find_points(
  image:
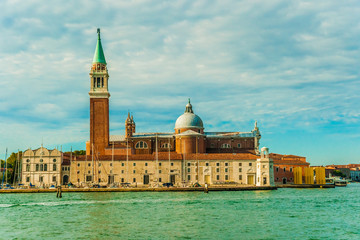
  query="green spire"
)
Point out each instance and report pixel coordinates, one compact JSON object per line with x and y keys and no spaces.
{"x":99,"y":56}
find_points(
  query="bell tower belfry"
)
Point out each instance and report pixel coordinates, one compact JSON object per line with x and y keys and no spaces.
{"x":99,"y":102}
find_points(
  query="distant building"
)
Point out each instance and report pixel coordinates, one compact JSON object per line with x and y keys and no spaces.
{"x":186,"y":156}
{"x":348,"y":171}
{"x":284,"y":167}
{"x":43,"y":167}
{"x":355,"y":174}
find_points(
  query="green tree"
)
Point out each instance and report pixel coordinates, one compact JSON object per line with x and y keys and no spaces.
{"x":338,"y":173}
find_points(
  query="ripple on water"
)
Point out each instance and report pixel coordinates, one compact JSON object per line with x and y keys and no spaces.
{"x":295,"y":213}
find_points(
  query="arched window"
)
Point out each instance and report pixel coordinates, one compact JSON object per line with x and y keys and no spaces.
{"x":45,"y":167}
{"x":54,"y":167}
{"x":28,"y":167}
{"x":225,"y":145}
{"x":166,"y":145}
{"x":141,"y":145}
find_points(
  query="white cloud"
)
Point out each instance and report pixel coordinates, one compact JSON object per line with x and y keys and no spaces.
{"x":289,"y":64}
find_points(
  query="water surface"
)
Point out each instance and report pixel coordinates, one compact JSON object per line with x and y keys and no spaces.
{"x":280,"y":214}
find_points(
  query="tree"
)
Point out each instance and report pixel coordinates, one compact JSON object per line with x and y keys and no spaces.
{"x":338,"y":173}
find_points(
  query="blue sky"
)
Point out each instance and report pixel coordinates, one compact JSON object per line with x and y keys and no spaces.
{"x":291,"y":65}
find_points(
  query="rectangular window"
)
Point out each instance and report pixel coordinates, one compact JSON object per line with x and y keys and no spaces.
{"x":240,"y":169}
{"x":189,"y":169}
{"x":110,"y":165}
{"x":264,"y":180}
{"x":284,"y":169}
{"x":159,"y":179}
{"x":146,"y":164}
{"x":189,"y":177}
{"x":291,"y":169}
{"x":217,"y":177}
{"x":188,"y":164}
{"x":172,"y":164}
{"x":160,"y":164}
{"x":122,"y":171}
{"x":240,"y":164}
{"x":145,"y":171}
{"x":134,"y":171}
{"x":240,"y":177}
{"x":122,"y":180}
{"x":217,"y":169}
{"x":226,"y":164}
{"x":250,"y":164}
{"x":226,"y":170}
{"x":99,"y":164}
{"x":217,"y":164}
{"x":54,"y":178}
{"x":99,"y":180}
{"x":122,"y":164}
{"x":37,"y":167}
{"x":226,"y":177}
{"x":28,"y":167}
{"x":207,"y":164}
{"x":27,"y":179}
{"x":89,"y":164}
{"x":134,"y":164}
{"x":78,"y":164}
{"x":54,"y":167}
{"x":41,"y":179}
{"x":134,"y":179}
{"x":159,"y":171}
{"x":45,"y":167}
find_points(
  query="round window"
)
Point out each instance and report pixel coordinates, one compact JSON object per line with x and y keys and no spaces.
{"x":41,"y":160}
{"x":27,"y":160}
{"x":54,"y":160}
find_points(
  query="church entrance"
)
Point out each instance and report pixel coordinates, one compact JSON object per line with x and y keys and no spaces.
{"x":250,"y":180}
{"x":146,"y":179}
{"x":207,"y":179}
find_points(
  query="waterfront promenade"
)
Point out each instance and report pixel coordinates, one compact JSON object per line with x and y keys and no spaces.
{"x":165,"y":189}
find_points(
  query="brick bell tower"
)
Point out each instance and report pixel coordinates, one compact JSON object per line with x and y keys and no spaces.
{"x":99,"y":102}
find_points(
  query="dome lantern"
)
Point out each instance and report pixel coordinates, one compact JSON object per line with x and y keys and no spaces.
{"x":189,"y":120}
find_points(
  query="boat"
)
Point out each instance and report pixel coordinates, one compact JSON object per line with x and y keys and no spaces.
{"x":340,"y":183}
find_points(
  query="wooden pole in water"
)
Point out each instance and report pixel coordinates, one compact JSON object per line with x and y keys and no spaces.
{"x":206,"y":189}
{"x":59,"y":192}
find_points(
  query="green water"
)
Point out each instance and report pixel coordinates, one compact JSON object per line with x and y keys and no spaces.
{"x":280,"y":214}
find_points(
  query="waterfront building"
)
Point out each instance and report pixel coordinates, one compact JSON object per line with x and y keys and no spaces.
{"x":355,"y":174}
{"x":284,"y":166}
{"x":186,"y":156}
{"x":42,"y":167}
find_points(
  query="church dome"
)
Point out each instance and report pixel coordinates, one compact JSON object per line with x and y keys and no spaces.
{"x":189,"y":119}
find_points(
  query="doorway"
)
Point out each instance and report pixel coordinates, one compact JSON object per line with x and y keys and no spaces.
{"x":284,"y":180}
{"x":250,"y":180}
{"x":207,"y":179}
{"x":110,"y":179}
{"x":65,"y":179}
{"x":172,"y":179}
{"x":146,"y":179}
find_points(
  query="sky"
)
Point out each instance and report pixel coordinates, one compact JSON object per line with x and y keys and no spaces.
{"x":293,"y":66}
